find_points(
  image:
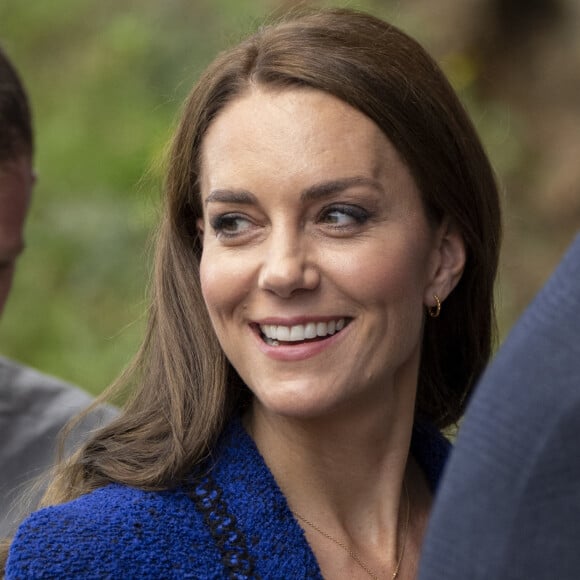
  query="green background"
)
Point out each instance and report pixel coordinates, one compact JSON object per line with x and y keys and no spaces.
{"x":106,"y":80}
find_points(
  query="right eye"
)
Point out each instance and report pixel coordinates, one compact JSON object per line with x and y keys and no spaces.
{"x":230,"y":225}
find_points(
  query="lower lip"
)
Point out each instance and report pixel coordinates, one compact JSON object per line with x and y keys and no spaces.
{"x":298,"y":351}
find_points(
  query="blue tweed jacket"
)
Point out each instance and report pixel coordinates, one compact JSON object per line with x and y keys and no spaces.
{"x":234,"y":523}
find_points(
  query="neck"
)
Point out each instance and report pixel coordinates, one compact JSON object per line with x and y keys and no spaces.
{"x":322,"y":465}
{"x":346,"y":471}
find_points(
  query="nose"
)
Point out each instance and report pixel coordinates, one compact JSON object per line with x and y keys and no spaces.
{"x":288,"y":267}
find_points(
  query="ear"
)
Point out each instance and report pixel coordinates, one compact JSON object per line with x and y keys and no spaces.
{"x":448,"y":262}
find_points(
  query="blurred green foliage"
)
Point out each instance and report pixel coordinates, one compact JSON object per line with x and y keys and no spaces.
{"x":106,"y":79}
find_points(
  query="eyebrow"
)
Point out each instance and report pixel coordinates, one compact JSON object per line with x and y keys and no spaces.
{"x":312,"y":193}
{"x":329,"y":188}
{"x":231,"y":196}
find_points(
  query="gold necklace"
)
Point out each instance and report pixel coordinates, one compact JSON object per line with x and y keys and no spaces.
{"x":353,"y":554}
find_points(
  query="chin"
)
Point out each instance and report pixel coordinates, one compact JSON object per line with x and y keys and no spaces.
{"x":300,"y":404}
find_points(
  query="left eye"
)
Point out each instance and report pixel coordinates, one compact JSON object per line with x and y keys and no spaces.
{"x":342,"y":216}
{"x":229,"y":225}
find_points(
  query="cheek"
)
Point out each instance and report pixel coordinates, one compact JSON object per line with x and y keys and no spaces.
{"x":224,"y":283}
{"x":213,"y":286}
{"x":386,"y":275}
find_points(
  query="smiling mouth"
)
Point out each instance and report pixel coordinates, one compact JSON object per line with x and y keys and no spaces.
{"x":279,"y":335}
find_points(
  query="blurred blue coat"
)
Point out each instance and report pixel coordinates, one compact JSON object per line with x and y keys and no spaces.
{"x":509,"y":502}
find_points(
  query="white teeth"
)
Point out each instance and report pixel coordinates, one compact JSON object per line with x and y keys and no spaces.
{"x":310,"y":330}
{"x":296,"y":333}
{"x":283,"y":333}
{"x":301,"y":332}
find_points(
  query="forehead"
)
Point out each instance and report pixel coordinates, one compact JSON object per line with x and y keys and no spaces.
{"x":299,"y":129}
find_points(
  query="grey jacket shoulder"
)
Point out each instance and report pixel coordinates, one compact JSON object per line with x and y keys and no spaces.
{"x":34,"y":407}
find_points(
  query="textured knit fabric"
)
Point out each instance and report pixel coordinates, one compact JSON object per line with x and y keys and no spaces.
{"x":233,"y":523}
{"x":508,"y":506}
{"x":33,"y":409}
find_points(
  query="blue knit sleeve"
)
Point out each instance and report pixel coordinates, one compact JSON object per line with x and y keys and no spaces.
{"x":115,"y":532}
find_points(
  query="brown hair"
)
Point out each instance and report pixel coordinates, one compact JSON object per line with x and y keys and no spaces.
{"x":16,"y":136}
{"x":185,"y":387}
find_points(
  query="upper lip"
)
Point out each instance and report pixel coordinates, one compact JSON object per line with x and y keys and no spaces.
{"x":296,"y":320}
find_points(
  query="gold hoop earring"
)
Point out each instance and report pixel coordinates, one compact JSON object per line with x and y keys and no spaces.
{"x":435,"y":311}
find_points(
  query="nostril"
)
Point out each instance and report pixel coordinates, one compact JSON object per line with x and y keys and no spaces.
{"x":285,"y":276}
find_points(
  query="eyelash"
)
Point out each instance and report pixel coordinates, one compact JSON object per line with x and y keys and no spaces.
{"x":223,"y":225}
{"x":357,"y":213}
{"x":220,"y":224}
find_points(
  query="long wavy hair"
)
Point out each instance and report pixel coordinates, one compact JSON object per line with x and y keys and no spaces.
{"x":183,"y":387}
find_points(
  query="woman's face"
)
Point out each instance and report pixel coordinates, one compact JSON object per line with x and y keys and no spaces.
{"x":16,"y":181}
{"x":317,"y":256}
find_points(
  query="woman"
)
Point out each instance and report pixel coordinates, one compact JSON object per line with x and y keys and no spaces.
{"x":322,"y":305}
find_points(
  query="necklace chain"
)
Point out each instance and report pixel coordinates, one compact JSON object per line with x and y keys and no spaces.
{"x":353,"y":554}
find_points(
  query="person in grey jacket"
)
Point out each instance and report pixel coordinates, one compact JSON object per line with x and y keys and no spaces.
{"x":33,"y":406}
{"x":509,"y":502}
